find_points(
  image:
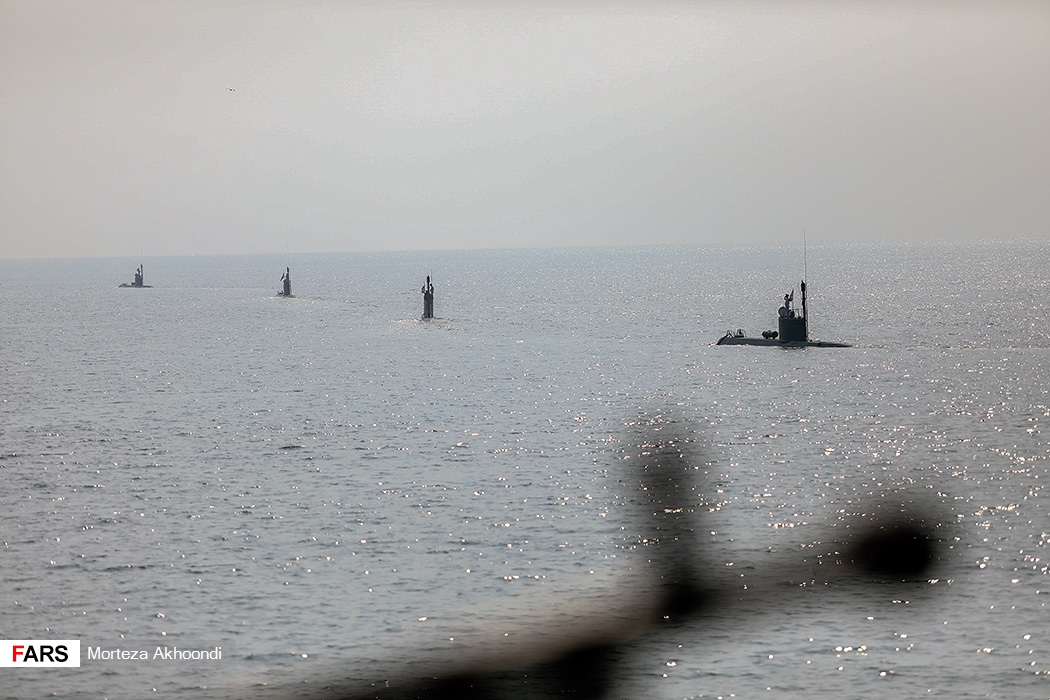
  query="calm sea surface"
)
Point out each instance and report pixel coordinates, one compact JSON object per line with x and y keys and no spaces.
{"x":331,"y":489}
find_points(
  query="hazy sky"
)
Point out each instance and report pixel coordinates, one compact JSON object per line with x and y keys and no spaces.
{"x":206,"y":127}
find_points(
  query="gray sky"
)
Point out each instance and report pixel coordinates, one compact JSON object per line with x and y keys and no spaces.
{"x":212,"y":127}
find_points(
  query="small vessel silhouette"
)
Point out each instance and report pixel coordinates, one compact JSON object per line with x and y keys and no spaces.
{"x":792,"y":329}
{"x":286,"y":283}
{"x":139,"y":280}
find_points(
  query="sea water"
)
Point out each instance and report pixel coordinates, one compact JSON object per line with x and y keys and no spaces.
{"x":331,"y":489}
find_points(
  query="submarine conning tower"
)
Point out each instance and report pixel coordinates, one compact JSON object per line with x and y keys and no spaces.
{"x":792,"y":328}
{"x":428,"y":299}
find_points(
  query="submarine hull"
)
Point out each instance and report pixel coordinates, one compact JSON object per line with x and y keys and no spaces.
{"x":745,"y":340}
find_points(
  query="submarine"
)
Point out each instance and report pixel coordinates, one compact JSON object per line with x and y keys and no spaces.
{"x":792,"y":330}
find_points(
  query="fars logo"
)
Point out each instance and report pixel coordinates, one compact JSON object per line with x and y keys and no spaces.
{"x":36,"y":653}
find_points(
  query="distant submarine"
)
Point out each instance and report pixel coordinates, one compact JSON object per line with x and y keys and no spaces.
{"x":140,"y":280}
{"x":792,"y":330}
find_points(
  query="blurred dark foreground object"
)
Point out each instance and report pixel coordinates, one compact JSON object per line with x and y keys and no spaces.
{"x":886,"y":543}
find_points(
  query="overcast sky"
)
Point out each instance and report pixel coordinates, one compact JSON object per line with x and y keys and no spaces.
{"x":210,"y":127}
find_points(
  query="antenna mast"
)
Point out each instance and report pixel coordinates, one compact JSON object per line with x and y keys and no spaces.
{"x":805,"y":261}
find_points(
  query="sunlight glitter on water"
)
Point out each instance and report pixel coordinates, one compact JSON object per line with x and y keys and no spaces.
{"x":490,"y":474}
